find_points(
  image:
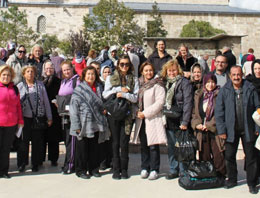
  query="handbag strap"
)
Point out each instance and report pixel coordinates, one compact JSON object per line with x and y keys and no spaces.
{"x":28,"y":98}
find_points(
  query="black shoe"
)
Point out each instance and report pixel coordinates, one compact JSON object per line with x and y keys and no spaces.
{"x":54,"y":163}
{"x":21,"y":168}
{"x":95,"y":174}
{"x":6,"y":176}
{"x":116,"y":175}
{"x":229,"y":184}
{"x":124,"y":174}
{"x":172,"y":176}
{"x":253,"y":189}
{"x":35,"y":169}
{"x":83,"y":176}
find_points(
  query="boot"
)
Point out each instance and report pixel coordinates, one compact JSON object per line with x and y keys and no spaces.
{"x":116,"y":169}
{"x":124,"y":168}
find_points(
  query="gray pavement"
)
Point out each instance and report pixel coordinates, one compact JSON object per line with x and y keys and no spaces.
{"x":49,"y":182}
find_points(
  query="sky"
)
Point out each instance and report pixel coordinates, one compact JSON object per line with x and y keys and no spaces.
{"x":248,"y":4}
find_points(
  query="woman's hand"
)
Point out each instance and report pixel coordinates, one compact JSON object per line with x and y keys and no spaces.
{"x":183,"y":127}
{"x":119,"y":95}
{"x":199,"y":127}
{"x":204,"y":128}
{"x":140,"y":115}
{"x":20,"y":125}
{"x":125,"y":90}
{"x":49,"y":123}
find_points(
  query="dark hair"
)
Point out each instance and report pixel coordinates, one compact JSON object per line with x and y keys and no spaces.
{"x":157,"y":41}
{"x":218,"y":52}
{"x":222,"y":55}
{"x":21,"y":46}
{"x":145,"y":64}
{"x":251,"y":50}
{"x":131,"y":68}
{"x":82,"y":78}
{"x":253,"y":65}
{"x":95,"y":63}
{"x":236,"y":66}
{"x":209,"y":76}
{"x":196,"y":65}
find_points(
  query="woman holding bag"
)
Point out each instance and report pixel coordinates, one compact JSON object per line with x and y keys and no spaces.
{"x":124,"y":85}
{"x":179,"y":95}
{"x":149,"y":123}
{"x":37,"y":117}
{"x":10,"y":116}
{"x":204,"y":124}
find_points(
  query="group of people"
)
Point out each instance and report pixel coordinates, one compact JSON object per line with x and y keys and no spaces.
{"x":53,"y":103}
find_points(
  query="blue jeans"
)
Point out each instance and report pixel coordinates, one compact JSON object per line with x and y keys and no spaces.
{"x":175,"y":166}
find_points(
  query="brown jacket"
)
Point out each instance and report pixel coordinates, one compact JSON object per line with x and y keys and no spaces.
{"x":196,"y":120}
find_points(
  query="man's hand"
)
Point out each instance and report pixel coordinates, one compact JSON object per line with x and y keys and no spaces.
{"x":49,"y":123}
{"x":223,"y":136}
{"x":119,"y":95}
{"x":183,"y":127}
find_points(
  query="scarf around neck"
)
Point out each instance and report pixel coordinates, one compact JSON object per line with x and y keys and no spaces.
{"x":170,"y":90}
{"x":208,"y":98}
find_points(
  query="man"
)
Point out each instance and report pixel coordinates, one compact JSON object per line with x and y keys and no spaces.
{"x":231,"y":59}
{"x":204,"y":64}
{"x":220,"y":71}
{"x":17,"y":61}
{"x":159,"y":56}
{"x":112,"y":54}
{"x":236,"y":102}
{"x":244,"y":58}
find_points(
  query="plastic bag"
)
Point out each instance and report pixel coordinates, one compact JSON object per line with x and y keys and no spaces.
{"x":185,"y":146}
{"x":203,"y":169}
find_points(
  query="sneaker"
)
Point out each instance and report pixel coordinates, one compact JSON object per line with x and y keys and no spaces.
{"x":144,"y":174}
{"x":153,"y":175}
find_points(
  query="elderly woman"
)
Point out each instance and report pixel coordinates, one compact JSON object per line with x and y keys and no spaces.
{"x":37,"y":59}
{"x":88,"y":123}
{"x":186,"y":60}
{"x":17,"y":61}
{"x":10,"y":116}
{"x":52,"y":135}
{"x":124,"y":85}
{"x":179,"y":94}
{"x":204,"y":124}
{"x":37,"y":116}
{"x":149,"y":123}
{"x":68,"y":84}
{"x":196,"y":76}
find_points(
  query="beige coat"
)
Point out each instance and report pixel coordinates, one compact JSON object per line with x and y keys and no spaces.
{"x":154,"y":99}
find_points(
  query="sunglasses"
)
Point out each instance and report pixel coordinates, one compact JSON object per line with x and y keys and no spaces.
{"x":124,"y":64}
{"x":22,"y":52}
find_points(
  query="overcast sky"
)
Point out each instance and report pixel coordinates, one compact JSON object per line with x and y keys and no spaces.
{"x":249,"y":4}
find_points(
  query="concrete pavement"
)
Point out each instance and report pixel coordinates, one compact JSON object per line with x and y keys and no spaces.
{"x":49,"y":182}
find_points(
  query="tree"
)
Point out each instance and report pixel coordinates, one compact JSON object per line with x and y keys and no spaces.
{"x":49,"y":43}
{"x":155,"y":28}
{"x":112,"y":24}
{"x":199,"y":29}
{"x":14,"y":26}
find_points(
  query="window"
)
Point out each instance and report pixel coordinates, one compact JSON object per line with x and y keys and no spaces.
{"x":41,"y":24}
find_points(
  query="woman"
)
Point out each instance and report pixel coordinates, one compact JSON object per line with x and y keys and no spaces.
{"x":149,"y":123}
{"x":122,"y":83}
{"x":10,"y":116}
{"x":178,"y":93}
{"x":35,"y":104}
{"x":186,"y":60}
{"x":204,"y":124}
{"x":104,"y":73}
{"x":88,"y":123}
{"x":92,"y":54}
{"x":52,"y":135}
{"x":247,"y":67}
{"x":68,"y":84}
{"x":17,"y":61}
{"x":196,"y":76}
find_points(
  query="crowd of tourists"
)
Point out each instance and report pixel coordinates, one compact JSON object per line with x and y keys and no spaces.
{"x":100,"y":103}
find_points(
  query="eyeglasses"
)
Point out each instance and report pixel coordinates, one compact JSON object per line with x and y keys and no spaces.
{"x":124,"y":64}
{"x":22,"y":52}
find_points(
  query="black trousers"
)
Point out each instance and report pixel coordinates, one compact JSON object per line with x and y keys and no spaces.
{"x":251,"y":160}
{"x":36,"y":138}
{"x":53,"y":150}
{"x":6,"y":140}
{"x":106,"y":153}
{"x":86,"y":156}
{"x":70,"y":143}
{"x":150,"y":155}
{"x":120,"y":144}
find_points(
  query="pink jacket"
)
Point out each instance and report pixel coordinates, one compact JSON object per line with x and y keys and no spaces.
{"x":10,"y":106}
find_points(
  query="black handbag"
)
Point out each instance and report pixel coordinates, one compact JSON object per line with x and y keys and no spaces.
{"x":38,"y":123}
{"x":118,"y":108}
{"x":174,"y":112}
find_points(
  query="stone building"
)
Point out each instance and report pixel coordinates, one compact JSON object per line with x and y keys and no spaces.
{"x":60,"y":16}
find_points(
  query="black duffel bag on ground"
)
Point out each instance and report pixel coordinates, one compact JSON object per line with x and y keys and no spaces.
{"x":118,"y":108}
{"x":202,"y":169}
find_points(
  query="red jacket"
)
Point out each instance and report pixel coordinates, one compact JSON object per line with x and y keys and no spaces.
{"x":79,"y":66}
{"x":10,"y":106}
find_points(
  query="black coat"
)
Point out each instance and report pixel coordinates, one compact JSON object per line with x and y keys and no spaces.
{"x":190,"y":61}
{"x":225,"y":111}
{"x":158,"y":62}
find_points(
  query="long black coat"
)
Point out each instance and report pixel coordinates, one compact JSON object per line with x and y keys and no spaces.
{"x":225,"y":111}
{"x":158,"y":62}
